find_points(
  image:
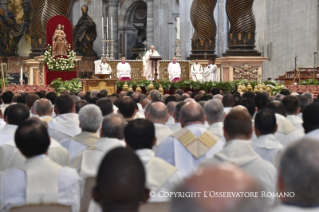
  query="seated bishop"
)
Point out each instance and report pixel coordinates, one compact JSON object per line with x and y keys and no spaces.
{"x":66,"y":124}
{"x":174,"y":71}
{"x":11,"y":156}
{"x":90,"y":117}
{"x":196,"y":72}
{"x":105,"y":68}
{"x":39,"y":180}
{"x":123,"y":70}
{"x":188,"y":147}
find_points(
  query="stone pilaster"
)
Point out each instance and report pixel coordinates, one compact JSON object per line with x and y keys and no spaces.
{"x":113,"y":12}
{"x":150,"y":23}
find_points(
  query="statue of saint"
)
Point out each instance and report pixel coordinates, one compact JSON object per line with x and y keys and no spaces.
{"x":59,"y":42}
{"x":141,"y":36}
{"x":84,"y":34}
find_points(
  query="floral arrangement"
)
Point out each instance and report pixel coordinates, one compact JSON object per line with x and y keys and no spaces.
{"x":59,"y":63}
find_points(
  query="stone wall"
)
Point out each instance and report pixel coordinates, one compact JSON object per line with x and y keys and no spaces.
{"x":291,"y":27}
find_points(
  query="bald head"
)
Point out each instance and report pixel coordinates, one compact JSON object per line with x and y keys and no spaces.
{"x":192,"y":113}
{"x":43,"y":107}
{"x":158,"y":113}
{"x":145,"y":102}
{"x":227,"y":178}
{"x":113,"y":126}
{"x":240,"y":108}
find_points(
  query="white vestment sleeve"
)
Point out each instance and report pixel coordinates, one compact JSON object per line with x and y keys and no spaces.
{"x":166,"y":150}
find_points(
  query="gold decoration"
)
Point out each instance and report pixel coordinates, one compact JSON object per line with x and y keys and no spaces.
{"x":15,"y":6}
{"x":249,"y":87}
{"x":125,"y":87}
{"x":268,"y":89}
{"x":256,"y":89}
{"x":243,"y":88}
{"x":239,"y":88}
{"x":151,"y":86}
{"x":102,"y":85}
{"x":130,"y":88}
{"x":161,"y":90}
{"x":246,"y":72}
{"x":138,"y":89}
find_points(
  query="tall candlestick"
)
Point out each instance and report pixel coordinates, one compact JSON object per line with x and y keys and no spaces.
{"x":178,"y":23}
{"x":111,"y":28}
{"x":107,"y":28}
{"x":102,"y":28}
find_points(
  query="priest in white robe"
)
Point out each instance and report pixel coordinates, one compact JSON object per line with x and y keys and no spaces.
{"x":210,"y":72}
{"x":180,"y":149}
{"x":66,"y":124}
{"x":176,"y":126}
{"x":214,"y":111}
{"x":90,"y":117}
{"x":39,"y":180}
{"x":266,"y":145}
{"x":123,"y":70}
{"x":149,"y":65}
{"x":239,"y":151}
{"x":196,"y":72}
{"x":15,"y":115}
{"x":298,"y":170}
{"x":292,"y":106}
{"x":174,"y":71}
{"x":104,"y":68}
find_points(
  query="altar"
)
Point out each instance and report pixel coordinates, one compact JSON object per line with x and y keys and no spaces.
{"x":89,"y":85}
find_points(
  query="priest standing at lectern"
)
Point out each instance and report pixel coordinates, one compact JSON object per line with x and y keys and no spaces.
{"x":174,"y":71}
{"x":124,"y":70}
{"x":149,"y":71}
{"x":105,"y":68}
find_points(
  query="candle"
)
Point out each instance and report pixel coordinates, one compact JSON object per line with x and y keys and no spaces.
{"x":178,"y":21}
{"x":102,"y":28}
{"x":107,"y":28}
{"x":111,"y":28}
{"x":21,"y":75}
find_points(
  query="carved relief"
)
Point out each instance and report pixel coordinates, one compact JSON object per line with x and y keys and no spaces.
{"x":246,"y":72}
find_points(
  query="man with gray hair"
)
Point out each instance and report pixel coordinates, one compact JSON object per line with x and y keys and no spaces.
{"x":298,"y":176}
{"x":214,"y":111}
{"x":159,"y":115}
{"x":112,"y":136}
{"x":218,"y":97}
{"x":309,"y":96}
{"x":43,"y":108}
{"x":192,"y":144}
{"x":94,"y":93}
{"x":170,"y":107}
{"x":176,"y":115}
{"x":90,"y":117}
{"x":221,"y":178}
{"x":155,"y":96}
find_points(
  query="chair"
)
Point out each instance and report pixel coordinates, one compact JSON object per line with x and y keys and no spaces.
{"x":87,"y":194}
{"x":41,"y":208}
{"x":154,"y":207}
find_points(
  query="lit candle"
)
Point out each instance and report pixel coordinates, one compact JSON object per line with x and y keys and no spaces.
{"x":111,"y":28}
{"x":107,"y":28}
{"x":102,"y":28}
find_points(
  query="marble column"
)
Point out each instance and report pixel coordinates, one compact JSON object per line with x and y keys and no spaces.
{"x":186,"y":27}
{"x":113,"y":12}
{"x":150,"y":23}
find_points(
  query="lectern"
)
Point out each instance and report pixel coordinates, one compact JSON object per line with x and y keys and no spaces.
{"x":155,"y":59}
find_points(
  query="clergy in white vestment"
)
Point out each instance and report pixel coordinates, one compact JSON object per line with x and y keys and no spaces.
{"x":239,"y":151}
{"x":104,"y":68}
{"x":39,"y":180}
{"x":90,"y":117}
{"x":196,"y":72}
{"x":111,"y":136}
{"x":174,"y":71}
{"x":311,"y":121}
{"x":52,"y":97}
{"x":149,"y":65}
{"x":10,"y":156}
{"x":266,"y":145}
{"x":214,"y":111}
{"x":292,"y":106}
{"x":286,"y":132}
{"x":14,"y":115}
{"x":188,"y":147}
{"x":6,"y":100}
{"x":173,"y":123}
{"x":137,"y":97}
{"x":160,"y":175}
{"x":43,"y":108}
{"x":170,"y":107}
{"x":210,"y":72}
{"x":66,"y":124}
{"x":298,"y":170}
{"x":159,"y":115}
{"x":221,"y":180}
{"x":228,"y":102}
{"x":123,"y":70}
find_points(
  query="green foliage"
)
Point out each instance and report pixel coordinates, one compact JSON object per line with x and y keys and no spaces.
{"x":309,"y":82}
{"x":6,"y":82}
{"x":74,"y":85}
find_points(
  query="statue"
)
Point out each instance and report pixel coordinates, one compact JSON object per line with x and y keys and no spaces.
{"x":84,"y":34}
{"x":11,"y":32}
{"x":141,"y":36}
{"x":59,"y":43}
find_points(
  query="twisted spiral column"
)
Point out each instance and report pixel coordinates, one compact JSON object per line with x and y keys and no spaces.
{"x":241,"y":37}
{"x":204,"y":38}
